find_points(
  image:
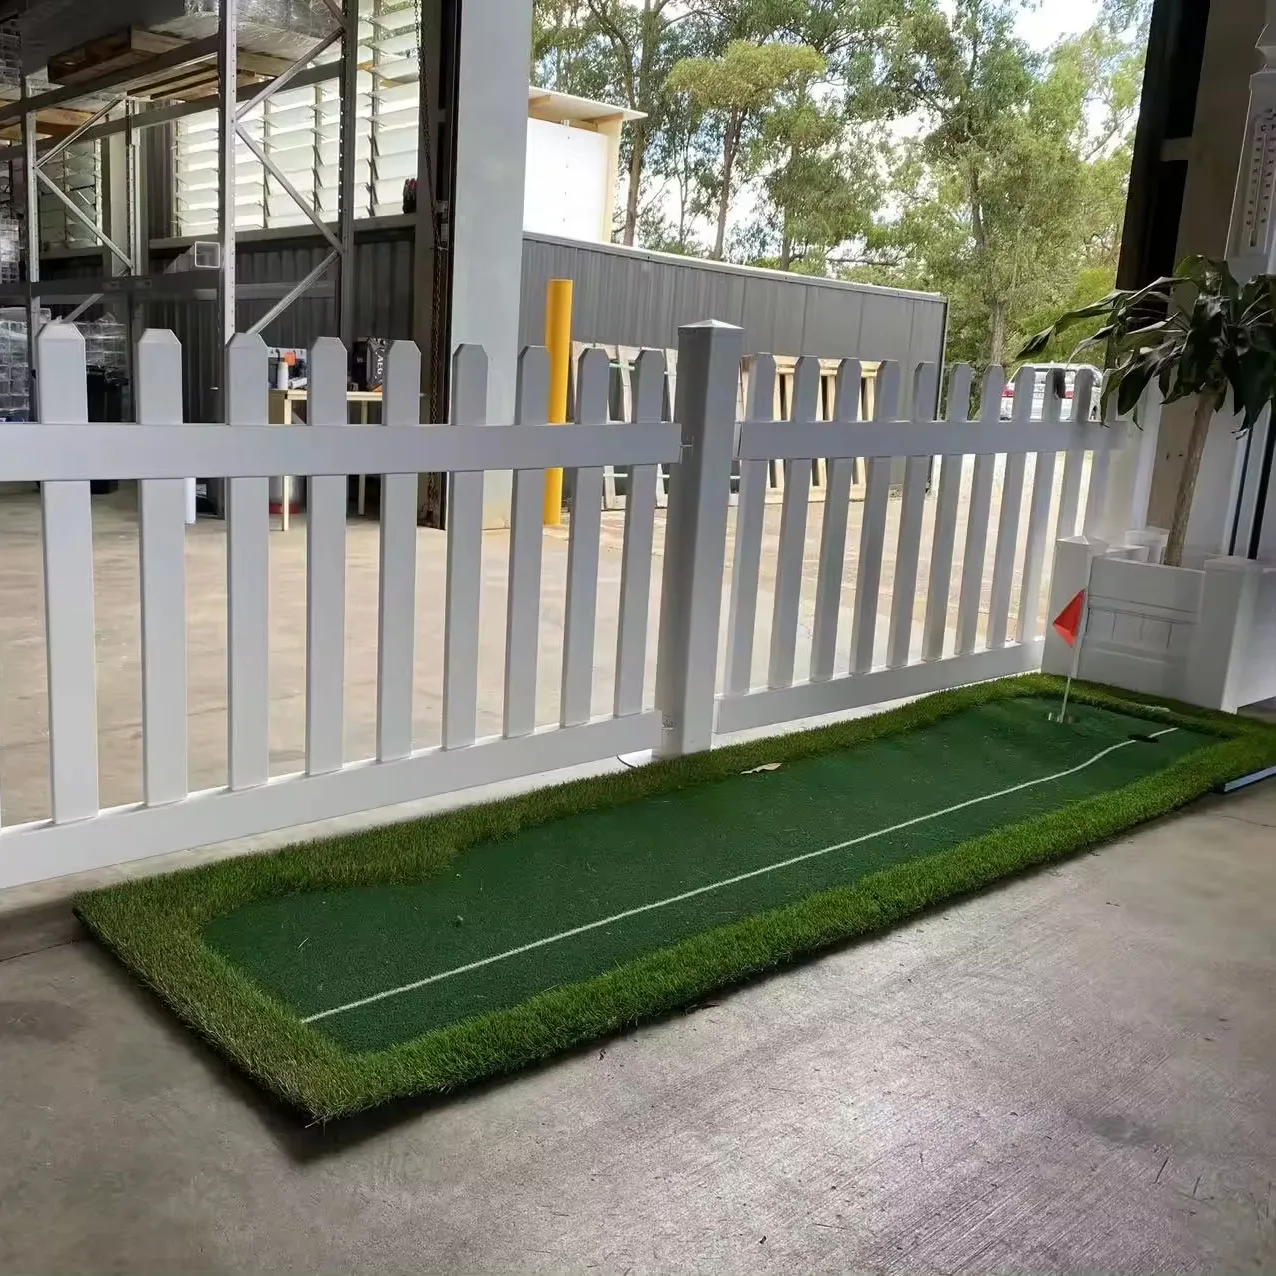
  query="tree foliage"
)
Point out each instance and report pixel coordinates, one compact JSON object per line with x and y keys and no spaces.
{"x":913,"y":142}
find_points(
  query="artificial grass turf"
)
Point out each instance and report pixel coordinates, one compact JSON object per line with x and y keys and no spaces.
{"x":243,"y":957}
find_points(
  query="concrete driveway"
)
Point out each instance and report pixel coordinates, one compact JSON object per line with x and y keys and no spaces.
{"x":1075,"y":1072}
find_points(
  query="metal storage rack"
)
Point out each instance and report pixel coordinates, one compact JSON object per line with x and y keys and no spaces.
{"x":144,"y":79}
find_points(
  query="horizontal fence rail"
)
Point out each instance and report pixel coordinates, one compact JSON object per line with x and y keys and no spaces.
{"x":893,"y":600}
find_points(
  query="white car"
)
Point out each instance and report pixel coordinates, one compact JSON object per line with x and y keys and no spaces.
{"x":1062,"y":377}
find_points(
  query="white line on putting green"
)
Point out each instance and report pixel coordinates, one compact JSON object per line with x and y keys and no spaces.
{"x":715,"y":886}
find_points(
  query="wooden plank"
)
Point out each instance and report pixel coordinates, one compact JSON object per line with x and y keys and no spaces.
{"x":947,"y":502}
{"x":396,"y":600}
{"x":909,"y":546}
{"x":70,"y":633}
{"x":247,"y":572}
{"x":1003,"y":567}
{"x":527,"y":535}
{"x":162,"y":537}
{"x":837,"y":499}
{"x":868,"y":579}
{"x":747,"y":560}
{"x":977,"y":517}
{"x":803,"y":405}
{"x":1100,"y":467}
{"x":326,"y":570}
{"x":646,"y":407}
{"x":464,"y":560}
{"x":581,"y":606}
{"x":1038,"y":526}
{"x":1074,"y":459}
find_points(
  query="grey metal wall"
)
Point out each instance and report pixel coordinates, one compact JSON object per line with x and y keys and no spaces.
{"x":630,"y":297}
{"x":622,"y":296}
{"x":383,"y":304}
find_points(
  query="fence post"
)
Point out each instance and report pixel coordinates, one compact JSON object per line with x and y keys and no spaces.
{"x":709,"y":357}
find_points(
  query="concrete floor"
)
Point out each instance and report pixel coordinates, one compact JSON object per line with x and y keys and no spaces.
{"x":1076,"y":1072}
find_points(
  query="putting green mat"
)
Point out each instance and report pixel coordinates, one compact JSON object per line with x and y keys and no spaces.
{"x":423,"y":955}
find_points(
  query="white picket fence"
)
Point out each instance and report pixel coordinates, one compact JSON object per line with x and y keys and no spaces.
{"x":63,"y":452}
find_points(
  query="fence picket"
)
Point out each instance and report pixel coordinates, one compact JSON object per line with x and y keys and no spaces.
{"x":909,"y":546}
{"x":1038,"y":525}
{"x":326,"y":570}
{"x":646,"y":406}
{"x":1100,"y":465}
{"x":840,"y":474}
{"x":868,"y":580}
{"x":70,"y":635}
{"x":803,"y":406}
{"x":527,"y":535}
{"x":1074,"y":459}
{"x":248,"y":576}
{"x":977,"y":516}
{"x":750,"y":514}
{"x":939,"y":589}
{"x":581,"y":607}
{"x":161,"y":514}
{"x":396,"y":605}
{"x":1003,"y":568}
{"x":464,"y":560}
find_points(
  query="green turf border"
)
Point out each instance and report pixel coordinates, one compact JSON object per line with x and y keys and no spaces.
{"x":155,"y":925}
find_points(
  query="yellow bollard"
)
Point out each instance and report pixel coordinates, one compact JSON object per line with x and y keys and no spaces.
{"x":558,"y":340}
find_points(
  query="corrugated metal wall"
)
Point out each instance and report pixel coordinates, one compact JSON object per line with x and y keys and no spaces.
{"x":622,"y":296}
{"x":629,"y":297}
{"x":383,"y":305}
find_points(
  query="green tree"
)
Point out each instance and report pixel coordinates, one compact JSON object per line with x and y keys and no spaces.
{"x":736,"y":91}
{"x":821,"y":189}
{"x":1012,"y":187}
{"x":637,"y":48}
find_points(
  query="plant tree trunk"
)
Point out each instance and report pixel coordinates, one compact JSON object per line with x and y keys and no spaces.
{"x":631,"y":194}
{"x":1187,"y":480}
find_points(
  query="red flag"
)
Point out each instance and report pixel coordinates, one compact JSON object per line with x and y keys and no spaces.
{"x":1067,"y":623}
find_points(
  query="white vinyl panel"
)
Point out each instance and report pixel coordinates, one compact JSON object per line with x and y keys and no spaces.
{"x":947,"y":502}
{"x":793,"y":512}
{"x":977,"y":518}
{"x":326,"y":570}
{"x":648,"y":388}
{"x":527,"y":535}
{"x":750,"y":513}
{"x":837,"y":498}
{"x":70,"y":635}
{"x":593,"y":379}
{"x":396,"y":647}
{"x":248,"y":574}
{"x":464,"y":560}
{"x":1003,"y":569}
{"x":1038,"y":527}
{"x":1074,"y":459}
{"x":868,"y":578}
{"x":909,"y":546}
{"x":162,"y":536}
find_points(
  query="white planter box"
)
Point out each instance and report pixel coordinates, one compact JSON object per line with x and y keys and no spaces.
{"x":1204,"y":636}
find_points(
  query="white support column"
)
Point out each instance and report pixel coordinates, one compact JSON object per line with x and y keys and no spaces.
{"x":695,"y":538}
{"x":1234,"y":473}
{"x":487,"y":220}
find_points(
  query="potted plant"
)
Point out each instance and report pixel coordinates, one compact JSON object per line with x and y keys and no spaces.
{"x":1203,"y":635}
{"x":1200,"y":335}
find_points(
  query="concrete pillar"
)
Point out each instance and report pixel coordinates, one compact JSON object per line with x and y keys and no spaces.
{"x":487,"y":221}
{"x":1213,"y":154}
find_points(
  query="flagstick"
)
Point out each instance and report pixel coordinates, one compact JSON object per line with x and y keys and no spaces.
{"x":1076,"y":646}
